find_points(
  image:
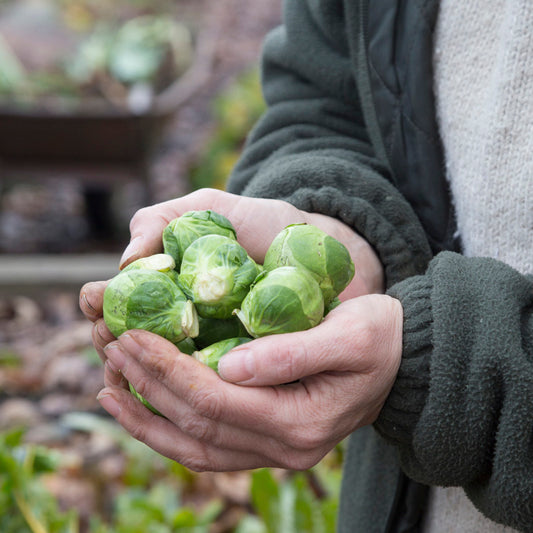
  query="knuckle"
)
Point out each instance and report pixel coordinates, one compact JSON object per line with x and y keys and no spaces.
{"x":143,"y":385}
{"x":139,"y":216}
{"x":199,"y":428}
{"x":302,"y":437}
{"x":285,"y":362}
{"x":197,"y":463}
{"x":296,"y":460}
{"x":206,"y":403}
{"x":304,"y":440}
{"x":138,"y":431}
{"x":365,"y":336}
{"x":159,"y":369}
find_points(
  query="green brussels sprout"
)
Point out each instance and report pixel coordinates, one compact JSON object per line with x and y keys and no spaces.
{"x":212,"y":354}
{"x":216,"y":274}
{"x":150,"y":300}
{"x":307,"y":246}
{"x":143,"y":400}
{"x":187,"y":346}
{"x":212,"y":330}
{"x":334,"y":303}
{"x":282,"y":300}
{"x":181,"y":232}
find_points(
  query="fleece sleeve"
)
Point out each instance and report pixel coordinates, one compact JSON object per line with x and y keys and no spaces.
{"x":461,"y":410}
{"x":311,"y":147}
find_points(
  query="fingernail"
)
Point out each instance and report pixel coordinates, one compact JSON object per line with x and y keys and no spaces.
{"x":237,"y":366}
{"x":115,"y":355}
{"x":131,"y":251}
{"x":109,"y":403}
{"x":87,"y":303}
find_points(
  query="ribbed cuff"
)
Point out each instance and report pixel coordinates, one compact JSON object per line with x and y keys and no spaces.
{"x":401,"y":412}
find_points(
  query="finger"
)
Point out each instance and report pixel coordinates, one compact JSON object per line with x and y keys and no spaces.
{"x":164,"y":437}
{"x":176,"y":383}
{"x":101,"y":337}
{"x":147,"y":225}
{"x":205,"y":430}
{"x":279,"y":359}
{"x":264,"y":410}
{"x":91,"y":299}
{"x":113,"y":377}
{"x":256,"y":221}
{"x":352,"y":338}
{"x":209,"y":409}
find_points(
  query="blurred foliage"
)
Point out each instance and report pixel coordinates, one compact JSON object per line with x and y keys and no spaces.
{"x":152,"y":494}
{"x":235,"y":111}
{"x":25,"y":504}
{"x":124,"y":51}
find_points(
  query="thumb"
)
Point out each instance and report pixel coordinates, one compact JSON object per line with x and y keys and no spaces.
{"x":361,"y":335}
{"x":279,"y":359}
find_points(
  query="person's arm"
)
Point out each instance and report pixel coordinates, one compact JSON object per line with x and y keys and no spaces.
{"x":461,"y":409}
{"x":311,"y":147}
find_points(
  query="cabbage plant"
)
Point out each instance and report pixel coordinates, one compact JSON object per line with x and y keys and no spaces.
{"x":282,"y":300}
{"x":183,"y":231}
{"x":149,"y":300}
{"x":216,"y":274}
{"x":307,"y":246}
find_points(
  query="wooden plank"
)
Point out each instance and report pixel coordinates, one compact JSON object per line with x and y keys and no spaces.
{"x":42,"y":272}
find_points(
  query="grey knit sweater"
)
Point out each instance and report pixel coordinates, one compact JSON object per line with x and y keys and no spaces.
{"x":483,"y":83}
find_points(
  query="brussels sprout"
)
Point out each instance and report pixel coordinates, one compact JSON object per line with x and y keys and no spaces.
{"x":334,"y":303}
{"x":216,"y":274}
{"x":307,"y":246}
{"x":212,"y":330}
{"x":183,"y":231}
{"x":159,"y":262}
{"x":186,"y":346}
{"x":150,"y":300}
{"x":143,"y":400}
{"x":282,"y":300}
{"x":212,"y":354}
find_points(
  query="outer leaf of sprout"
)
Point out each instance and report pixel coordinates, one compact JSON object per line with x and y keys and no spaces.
{"x":216,"y":274}
{"x":282,"y":300}
{"x":212,"y":354}
{"x":150,"y":300}
{"x":183,"y":231}
{"x":307,"y":246}
{"x":159,"y":262}
{"x":217,"y":329}
{"x":187,"y":346}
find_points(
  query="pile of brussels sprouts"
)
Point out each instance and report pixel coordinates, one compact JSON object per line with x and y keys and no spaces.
{"x":206,"y":295}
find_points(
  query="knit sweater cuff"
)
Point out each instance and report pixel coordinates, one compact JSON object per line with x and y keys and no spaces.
{"x":403,"y":407}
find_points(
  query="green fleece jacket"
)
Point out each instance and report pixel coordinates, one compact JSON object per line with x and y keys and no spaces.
{"x":461,"y":410}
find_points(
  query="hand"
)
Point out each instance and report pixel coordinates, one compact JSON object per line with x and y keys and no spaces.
{"x":256,"y":221}
{"x":345,"y":368}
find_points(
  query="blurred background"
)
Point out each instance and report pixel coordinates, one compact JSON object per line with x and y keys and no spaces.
{"x":106,"y":107}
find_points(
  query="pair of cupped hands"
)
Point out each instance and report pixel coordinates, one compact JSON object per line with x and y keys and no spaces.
{"x":282,"y":400}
